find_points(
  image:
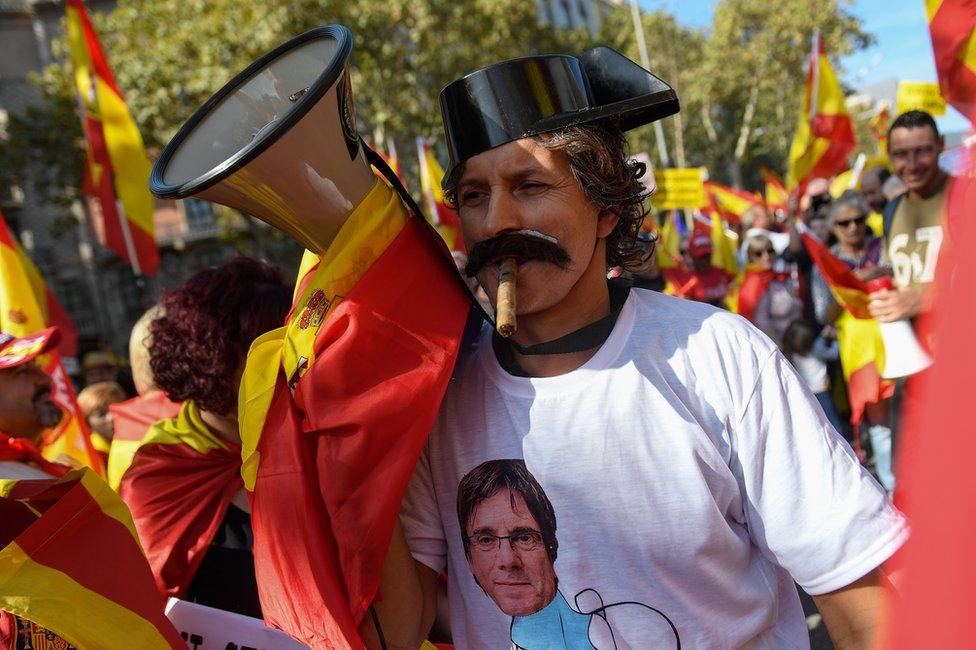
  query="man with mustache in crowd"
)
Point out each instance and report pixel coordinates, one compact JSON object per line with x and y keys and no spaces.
{"x":26,"y":408}
{"x":691,"y":466}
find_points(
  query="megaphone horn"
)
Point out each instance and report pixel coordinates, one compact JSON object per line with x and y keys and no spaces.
{"x":279,"y":142}
{"x":903,"y":354}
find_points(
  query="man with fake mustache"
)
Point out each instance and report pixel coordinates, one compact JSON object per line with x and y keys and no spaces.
{"x":691,"y":467}
{"x":26,"y":408}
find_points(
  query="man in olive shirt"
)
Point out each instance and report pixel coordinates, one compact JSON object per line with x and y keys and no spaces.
{"x":914,"y":223}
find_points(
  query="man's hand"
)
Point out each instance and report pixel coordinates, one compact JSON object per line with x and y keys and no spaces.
{"x":889,"y":306}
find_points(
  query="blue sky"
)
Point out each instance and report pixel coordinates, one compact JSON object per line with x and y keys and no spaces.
{"x":902,"y":51}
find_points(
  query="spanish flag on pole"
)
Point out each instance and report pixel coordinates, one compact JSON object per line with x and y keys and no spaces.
{"x":335,"y":408}
{"x":71,"y":563}
{"x":117,"y":169}
{"x":952,"y":24}
{"x":26,"y":306}
{"x":667,"y":250}
{"x":445,"y":219}
{"x":777,"y":196}
{"x":729,"y":202}
{"x":824,"y":132}
{"x":862,"y":353}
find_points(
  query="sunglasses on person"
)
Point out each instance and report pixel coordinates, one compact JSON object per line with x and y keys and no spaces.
{"x":860,"y":221}
{"x":764,"y":253}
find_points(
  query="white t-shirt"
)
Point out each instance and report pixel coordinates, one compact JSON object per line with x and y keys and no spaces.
{"x":690,"y":471}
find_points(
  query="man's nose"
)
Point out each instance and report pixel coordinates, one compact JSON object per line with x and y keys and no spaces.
{"x":503,"y":214}
{"x":508,"y":557}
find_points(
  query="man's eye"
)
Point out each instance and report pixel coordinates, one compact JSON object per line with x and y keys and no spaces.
{"x":471,"y":196}
{"x":484,"y":540}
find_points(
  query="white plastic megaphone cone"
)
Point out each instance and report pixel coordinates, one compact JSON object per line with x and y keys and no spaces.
{"x":903,"y":354}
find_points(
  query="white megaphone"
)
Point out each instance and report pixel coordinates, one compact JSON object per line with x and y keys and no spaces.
{"x":279,"y":141}
{"x":903,"y":354}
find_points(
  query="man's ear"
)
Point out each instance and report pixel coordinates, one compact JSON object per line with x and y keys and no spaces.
{"x":606,"y":221}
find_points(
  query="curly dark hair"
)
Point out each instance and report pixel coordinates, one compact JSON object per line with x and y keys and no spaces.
{"x":598,"y":157}
{"x":209,"y":322}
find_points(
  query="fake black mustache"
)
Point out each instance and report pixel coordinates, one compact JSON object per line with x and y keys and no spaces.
{"x":518,"y":246}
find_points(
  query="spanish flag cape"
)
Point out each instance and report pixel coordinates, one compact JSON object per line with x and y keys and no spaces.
{"x":335,"y":408}
{"x":178,"y":487}
{"x":751,"y":288}
{"x":131,"y":420}
{"x":70,"y":562}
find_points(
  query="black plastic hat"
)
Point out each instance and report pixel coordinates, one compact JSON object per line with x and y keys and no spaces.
{"x":522,"y":97}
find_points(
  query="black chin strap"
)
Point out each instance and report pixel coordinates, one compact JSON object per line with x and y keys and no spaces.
{"x":377,"y":161}
{"x":585,"y":338}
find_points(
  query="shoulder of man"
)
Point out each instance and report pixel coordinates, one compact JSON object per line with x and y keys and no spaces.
{"x":888,"y":216}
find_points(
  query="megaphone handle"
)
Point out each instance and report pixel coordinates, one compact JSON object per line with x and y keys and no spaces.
{"x":377,"y":161}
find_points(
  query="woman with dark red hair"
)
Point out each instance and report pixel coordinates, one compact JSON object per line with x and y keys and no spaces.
{"x":184,"y":485}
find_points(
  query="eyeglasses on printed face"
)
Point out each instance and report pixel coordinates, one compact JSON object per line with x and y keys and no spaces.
{"x":520,"y":540}
{"x":859,"y":221}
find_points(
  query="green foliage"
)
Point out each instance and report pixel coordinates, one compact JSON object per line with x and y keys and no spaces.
{"x":169,"y":56}
{"x":754,"y":54}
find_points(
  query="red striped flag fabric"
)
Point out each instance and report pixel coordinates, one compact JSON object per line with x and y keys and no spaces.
{"x":70,"y":562}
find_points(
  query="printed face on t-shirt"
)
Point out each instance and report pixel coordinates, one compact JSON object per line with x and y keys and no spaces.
{"x":507,"y":555}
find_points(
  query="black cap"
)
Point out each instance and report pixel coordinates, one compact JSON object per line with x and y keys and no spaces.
{"x":522,"y":97}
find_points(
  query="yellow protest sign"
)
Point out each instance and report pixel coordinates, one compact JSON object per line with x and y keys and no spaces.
{"x":920,"y":95}
{"x":679,"y":188}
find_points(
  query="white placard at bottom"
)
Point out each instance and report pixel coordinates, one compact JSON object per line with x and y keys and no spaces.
{"x":206,"y":628}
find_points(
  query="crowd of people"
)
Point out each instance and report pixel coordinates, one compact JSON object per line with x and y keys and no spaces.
{"x":891,"y":226}
{"x":690,"y":459}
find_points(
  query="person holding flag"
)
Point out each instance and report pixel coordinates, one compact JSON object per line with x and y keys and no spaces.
{"x":700,"y":280}
{"x":869,"y":395}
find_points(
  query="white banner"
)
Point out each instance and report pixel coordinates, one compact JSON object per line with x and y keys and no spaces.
{"x":206,"y":628}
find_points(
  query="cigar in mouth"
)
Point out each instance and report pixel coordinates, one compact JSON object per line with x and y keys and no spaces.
{"x":505,"y":307}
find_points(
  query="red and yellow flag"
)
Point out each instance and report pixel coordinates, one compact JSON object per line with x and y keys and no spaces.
{"x":879,"y":124}
{"x":117,"y":169}
{"x":824,"y":132}
{"x":335,"y":408}
{"x":179,"y":484}
{"x":26,"y":306}
{"x":777,"y":196}
{"x":131,"y":420}
{"x":71,"y":563}
{"x":667,"y":249}
{"x":952,"y":24}
{"x":445,"y":219}
{"x":729,"y":202}
{"x":862,"y":353}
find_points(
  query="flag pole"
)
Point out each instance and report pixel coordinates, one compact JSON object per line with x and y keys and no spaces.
{"x":662,"y":147}
{"x":425,"y":182}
